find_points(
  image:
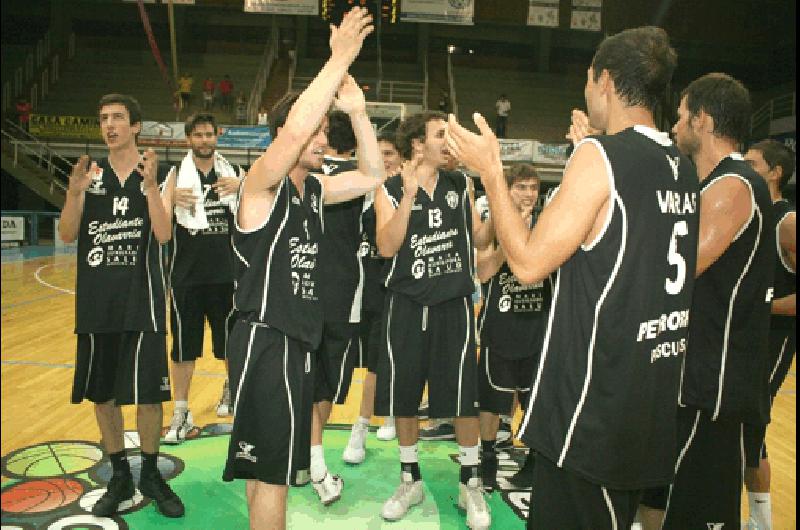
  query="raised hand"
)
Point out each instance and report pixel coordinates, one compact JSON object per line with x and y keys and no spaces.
{"x":408,"y":172}
{"x":349,"y":97}
{"x":226,"y":186}
{"x":185,"y":198}
{"x":81,"y":177}
{"x":148,"y":167}
{"x":346,"y":40}
{"x":579,"y":127}
{"x":479,"y":152}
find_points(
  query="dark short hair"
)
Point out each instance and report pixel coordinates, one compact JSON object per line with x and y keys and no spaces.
{"x":776,"y":153}
{"x":723,"y":98}
{"x":277,"y":116}
{"x":522,"y":171}
{"x":129,"y":102}
{"x":340,"y":132}
{"x":389,"y":137}
{"x":196,"y":119}
{"x":641,"y":63}
{"x":415,"y":126}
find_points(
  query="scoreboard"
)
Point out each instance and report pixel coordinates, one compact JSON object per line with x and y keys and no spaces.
{"x":386,"y":10}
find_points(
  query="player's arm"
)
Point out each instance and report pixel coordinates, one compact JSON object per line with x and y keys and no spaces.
{"x":725,"y":207}
{"x":787,"y":234}
{"x":370,"y":173}
{"x":391,"y":223}
{"x":79,"y":180}
{"x":304,"y":117}
{"x":490,"y":259}
{"x":563,"y":225}
{"x":786,"y":306}
{"x":160,"y":218}
{"x":482,"y":231}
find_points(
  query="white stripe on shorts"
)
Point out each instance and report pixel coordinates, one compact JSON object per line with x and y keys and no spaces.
{"x":291,"y":408}
{"x":136,"y":369}
{"x":91,"y":360}
{"x":614,"y":524}
{"x":244,"y":370}
{"x":341,"y":370}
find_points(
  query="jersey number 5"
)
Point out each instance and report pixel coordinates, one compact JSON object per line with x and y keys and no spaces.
{"x":674,"y":258}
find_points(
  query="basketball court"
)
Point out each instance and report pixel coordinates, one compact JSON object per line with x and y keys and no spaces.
{"x":53,"y":467}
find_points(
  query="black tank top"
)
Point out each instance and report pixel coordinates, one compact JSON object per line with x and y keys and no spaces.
{"x":201,"y":257}
{"x":120,"y":281}
{"x":512,"y":316}
{"x":785,"y":278}
{"x":342,"y":278}
{"x":434,"y":263}
{"x":277,"y":266}
{"x":604,"y":396}
{"x":726,"y":371}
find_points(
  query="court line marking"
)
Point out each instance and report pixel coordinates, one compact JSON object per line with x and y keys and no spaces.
{"x":40,"y":280}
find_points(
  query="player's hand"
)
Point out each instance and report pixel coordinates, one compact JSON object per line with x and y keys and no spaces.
{"x":408,"y":172}
{"x":148,"y":167}
{"x":226,"y":186}
{"x":579,"y":127}
{"x":349,"y":97}
{"x":346,"y":40}
{"x":185,"y":198}
{"x":479,"y":152}
{"x":81,"y":177}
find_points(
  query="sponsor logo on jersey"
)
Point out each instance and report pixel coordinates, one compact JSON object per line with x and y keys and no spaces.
{"x":165,"y":383}
{"x":363,"y":249}
{"x":504,"y":304}
{"x":674,"y":163}
{"x":418,"y":269}
{"x":96,"y":186}
{"x":314,"y":203}
{"x":715,"y":526}
{"x":95,"y":257}
{"x":295,"y":282}
{"x":452,"y":199}
{"x":296,"y":200}
{"x":246,"y":448}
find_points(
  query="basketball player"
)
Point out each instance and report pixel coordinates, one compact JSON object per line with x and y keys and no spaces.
{"x":774,"y":162}
{"x":426,"y":223}
{"x":278,"y":227}
{"x":725,"y":377}
{"x":622,"y":232}
{"x":116,"y":213}
{"x":201,"y":264}
{"x":341,"y":283}
{"x":371,"y":308}
{"x":510,"y":326}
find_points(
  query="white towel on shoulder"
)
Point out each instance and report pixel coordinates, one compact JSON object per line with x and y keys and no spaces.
{"x":188,"y":177}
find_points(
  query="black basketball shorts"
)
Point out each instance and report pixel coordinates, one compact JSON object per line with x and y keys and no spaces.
{"x":499,"y":378}
{"x":272,"y":383}
{"x":129,"y":367}
{"x":369,"y":331}
{"x":427,"y":344}
{"x":336,"y":357}
{"x":564,"y":500}
{"x":190,"y":307}
{"x":706,"y":491}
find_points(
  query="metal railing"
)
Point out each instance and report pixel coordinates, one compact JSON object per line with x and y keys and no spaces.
{"x":426,"y":81}
{"x":452,"y":85}
{"x":292,"y":70}
{"x":41,"y":153}
{"x":264,"y":69}
{"x":779,"y":107}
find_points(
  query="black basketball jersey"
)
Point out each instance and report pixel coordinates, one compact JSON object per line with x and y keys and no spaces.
{"x":342,"y":278}
{"x":726,"y":369}
{"x":434,"y":263}
{"x":604,"y":396}
{"x":277,"y":265}
{"x":511,"y":320}
{"x":200,"y":257}
{"x":372,"y":263}
{"x":120,"y":281}
{"x":785,"y":279}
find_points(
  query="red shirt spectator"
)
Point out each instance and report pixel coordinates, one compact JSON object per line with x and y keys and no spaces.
{"x":226,"y":86}
{"x":24,"y":109}
{"x":208,"y":85}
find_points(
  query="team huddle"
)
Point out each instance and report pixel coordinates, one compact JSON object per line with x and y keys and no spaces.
{"x":643,"y":319}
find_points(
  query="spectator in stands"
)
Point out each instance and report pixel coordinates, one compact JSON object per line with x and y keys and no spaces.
{"x":444,"y":102}
{"x":263,"y":119}
{"x":185,"y":83}
{"x":503,"y":107}
{"x":24,"y":109}
{"x":208,"y":94}
{"x":225,"y":90}
{"x":241,"y":108}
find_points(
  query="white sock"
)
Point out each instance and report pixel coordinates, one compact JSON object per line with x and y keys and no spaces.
{"x":364,"y":422}
{"x":408,"y":454}
{"x":468,"y":456}
{"x":182,"y":405}
{"x":760,"y":509}
{"x":318,"y":466}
